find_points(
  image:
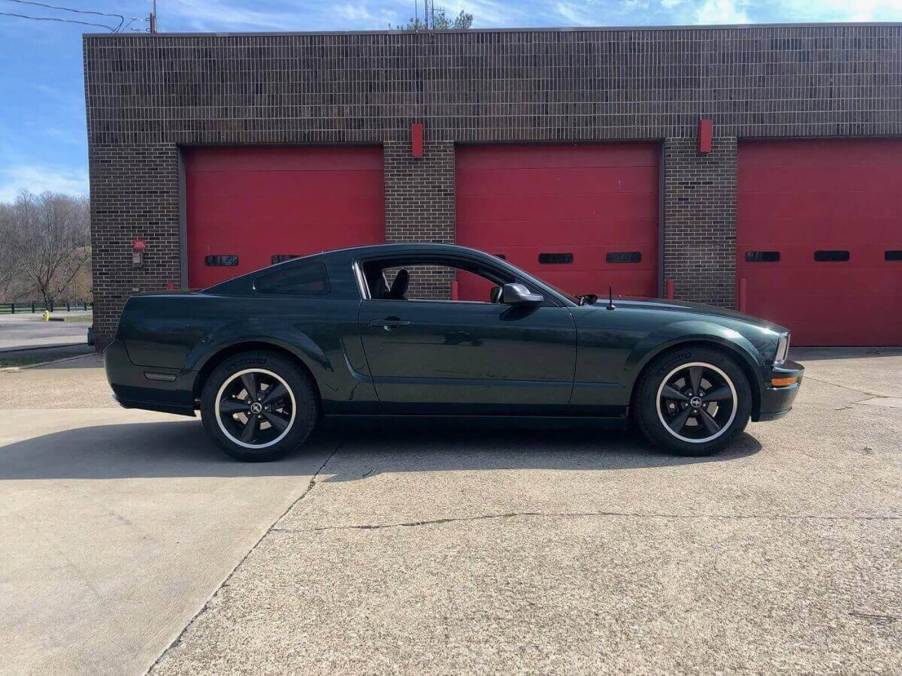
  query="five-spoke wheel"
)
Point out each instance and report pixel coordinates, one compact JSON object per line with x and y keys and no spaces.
{"x":693,"y":401}
{"x":697,"y":402}
{"x":255,"y":408}
{"x":259,"y":405}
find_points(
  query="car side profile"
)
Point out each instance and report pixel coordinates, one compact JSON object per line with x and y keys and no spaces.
{"x":434,"y":329}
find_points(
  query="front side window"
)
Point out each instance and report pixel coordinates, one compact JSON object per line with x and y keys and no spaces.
{"x":421,"y":280}
{"x":303,"y":279}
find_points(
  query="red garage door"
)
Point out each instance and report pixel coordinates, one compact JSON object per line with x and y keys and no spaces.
{"x":580,"y":216}
{"x":819,"y":239}
{"x":249,"y":206}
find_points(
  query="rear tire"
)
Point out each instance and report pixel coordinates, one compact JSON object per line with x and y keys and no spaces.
{"x":693,"y":401}
{"x":258,"y":406}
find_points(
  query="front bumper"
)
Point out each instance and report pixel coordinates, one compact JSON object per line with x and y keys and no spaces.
{"x":777,"y":401}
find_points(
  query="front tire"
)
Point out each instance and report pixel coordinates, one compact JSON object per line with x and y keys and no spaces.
{"x":693,"y":401}
{"x":258,"y":406}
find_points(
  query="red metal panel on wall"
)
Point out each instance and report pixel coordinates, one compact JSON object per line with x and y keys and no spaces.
{"x":260,"y":202}
{"x":842,"y":198}
{"x":596,"y":203}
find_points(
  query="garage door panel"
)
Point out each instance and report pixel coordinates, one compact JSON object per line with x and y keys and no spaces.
{"x":551,"y":156}
{"x":799,"y":198}
{"x":584,"y":201}
{"x":588,"y":181}
{"x":255,"y":203}
{"x":621,"y":214}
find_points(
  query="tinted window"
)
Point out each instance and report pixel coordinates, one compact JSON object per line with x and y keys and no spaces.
{"x":831,"y":255}
{"x":308,"y":279}
{"x":762,"y":256}
{"x":221,"y":260}
{"x":893,"y":255}
{"x":623,"y":257}
{"x":555,"y":258}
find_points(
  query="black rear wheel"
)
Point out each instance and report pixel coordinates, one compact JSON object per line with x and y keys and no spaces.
{"x":258,"y":406}
{"x":693,"y":401}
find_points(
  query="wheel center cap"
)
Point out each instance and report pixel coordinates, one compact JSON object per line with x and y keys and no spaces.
{"x":256,"y":407}
{"x":695,"y":402}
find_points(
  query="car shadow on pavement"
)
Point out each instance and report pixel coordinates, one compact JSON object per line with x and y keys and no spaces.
{"x":182,"y":449}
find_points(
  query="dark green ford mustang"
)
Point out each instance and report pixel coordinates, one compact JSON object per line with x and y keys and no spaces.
{"x":265,"y":355}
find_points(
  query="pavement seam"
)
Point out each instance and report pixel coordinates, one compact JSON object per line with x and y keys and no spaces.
{"x":206,"y":606}
{"x":565,"y":515}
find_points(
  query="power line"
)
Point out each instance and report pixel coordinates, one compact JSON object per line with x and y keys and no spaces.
{"x":122,"y":18}
{"x":53,"y":18}
{"x":66,"y":9}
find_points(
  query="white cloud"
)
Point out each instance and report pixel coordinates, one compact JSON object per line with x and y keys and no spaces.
{"x":14,"y":180}
{"x":211,"y":14}
{"x":844,"y":10}
{"x":721,"y":12}
{"x":573,"y":14}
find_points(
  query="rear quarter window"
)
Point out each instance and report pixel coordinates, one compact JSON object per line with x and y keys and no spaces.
{"x":306,"y":279}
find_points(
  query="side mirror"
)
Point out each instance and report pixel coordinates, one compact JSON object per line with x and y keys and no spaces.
{"x":518,"y":294}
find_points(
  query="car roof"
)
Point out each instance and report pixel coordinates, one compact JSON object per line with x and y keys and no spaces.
{"x":406,"y":247}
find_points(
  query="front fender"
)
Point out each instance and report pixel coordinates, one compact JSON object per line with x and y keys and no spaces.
{"x":694,"y":331}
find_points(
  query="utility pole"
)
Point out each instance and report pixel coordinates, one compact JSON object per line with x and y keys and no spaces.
{"x":153,"y":17}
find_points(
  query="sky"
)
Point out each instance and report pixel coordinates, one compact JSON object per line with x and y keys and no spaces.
{"x":43,"y":144}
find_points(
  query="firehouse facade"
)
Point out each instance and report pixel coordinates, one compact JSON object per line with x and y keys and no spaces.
{"x":757,"y":167}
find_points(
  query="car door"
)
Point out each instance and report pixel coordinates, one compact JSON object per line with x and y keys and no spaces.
{"x":447,"y":356}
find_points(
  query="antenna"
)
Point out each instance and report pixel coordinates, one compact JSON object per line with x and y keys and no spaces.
{"x":611,"y":305}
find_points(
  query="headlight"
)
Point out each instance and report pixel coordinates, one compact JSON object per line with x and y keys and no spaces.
{"x":782,"y":349}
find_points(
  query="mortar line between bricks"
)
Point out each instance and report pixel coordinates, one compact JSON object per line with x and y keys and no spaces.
{"x":573,"y":515}
{"x":225,"y":581}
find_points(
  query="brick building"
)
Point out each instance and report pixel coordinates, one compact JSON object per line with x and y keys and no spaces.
{"x":757,"y":167}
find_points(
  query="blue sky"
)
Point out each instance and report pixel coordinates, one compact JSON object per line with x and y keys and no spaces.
{"x":42,"y":122}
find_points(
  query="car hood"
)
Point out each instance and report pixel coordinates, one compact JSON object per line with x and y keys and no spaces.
{"x":699,"y":310}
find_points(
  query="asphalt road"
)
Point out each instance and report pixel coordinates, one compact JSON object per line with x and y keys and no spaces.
{"x":443,"y":549}
{"x":28,"y":331}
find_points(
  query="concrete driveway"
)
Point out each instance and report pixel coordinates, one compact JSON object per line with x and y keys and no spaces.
{"x":441,"y":549}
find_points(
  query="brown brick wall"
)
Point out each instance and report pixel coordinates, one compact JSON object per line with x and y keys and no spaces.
{"x":420,"y":207}
{"x":700,"y":220}
{"x":148,"y":94}
{"x":134,"y":195}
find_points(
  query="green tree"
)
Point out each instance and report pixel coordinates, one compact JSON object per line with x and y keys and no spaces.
{"x":439,"y":21}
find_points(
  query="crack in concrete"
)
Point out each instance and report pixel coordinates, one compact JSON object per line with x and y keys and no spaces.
{"x":846,"y":387}
{"x":573,"y":515}
{"x":206,"y":606}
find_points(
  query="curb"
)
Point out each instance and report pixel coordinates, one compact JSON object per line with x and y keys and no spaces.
{"x":11,"y":369}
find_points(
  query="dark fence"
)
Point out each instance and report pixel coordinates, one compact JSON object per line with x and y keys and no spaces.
{"x":38,"y":306}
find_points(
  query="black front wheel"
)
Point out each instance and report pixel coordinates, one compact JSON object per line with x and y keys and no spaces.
{"x":258,"y":406}
{"x":693,"y":401}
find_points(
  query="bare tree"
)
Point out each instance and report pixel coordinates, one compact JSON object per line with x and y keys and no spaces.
{"x":438,"y":20}
{"x":46,"y":243}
